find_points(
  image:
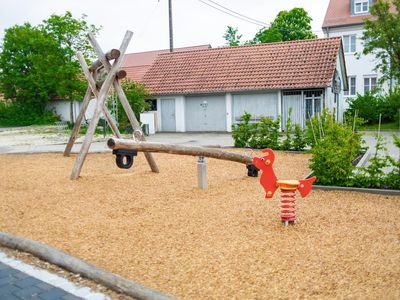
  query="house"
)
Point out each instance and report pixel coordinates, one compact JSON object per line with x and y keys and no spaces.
{"x":135,"y":64}
{"x":345,"y":18}
{"x":208,"y":90}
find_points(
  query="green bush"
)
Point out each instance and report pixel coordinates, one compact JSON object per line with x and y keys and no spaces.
{"x":287,"y":142}
{"x":334,"y":153}
{"x":299,"y":141}
{"x":265,"y":133}
{"x":17,"y":114}
{"x":317,"y":126}
{"x":242,"y":132}
{"x":370,"y":106}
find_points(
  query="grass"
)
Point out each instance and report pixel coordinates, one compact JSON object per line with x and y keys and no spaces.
{"x":394,"y":126}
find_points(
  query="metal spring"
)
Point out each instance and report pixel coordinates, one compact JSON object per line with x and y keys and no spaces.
{"x":288,"y":206}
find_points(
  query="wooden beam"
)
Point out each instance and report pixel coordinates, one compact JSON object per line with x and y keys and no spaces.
{"x":110,"y":55}
{"x":121,"y":74}
{"x":78,"y":266}
{"x":125,"y":104}
{"x":100,"y":103}
{"x":114,"y":143}
{"x":78,"y":122}
{"x":92,"y":84}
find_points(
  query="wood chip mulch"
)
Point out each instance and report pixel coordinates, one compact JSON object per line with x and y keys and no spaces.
{"x":221,"y":243}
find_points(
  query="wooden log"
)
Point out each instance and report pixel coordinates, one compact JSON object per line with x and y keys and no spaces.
{"x":100,"y":103}
{"x":78,"y":266}
{"x":114,"y":143}
{"x":125,"y":104}
{"x":78,"y":122}
{"x":96,"y":93}
{"x":110,"y":55}
{"x":121,"y":74}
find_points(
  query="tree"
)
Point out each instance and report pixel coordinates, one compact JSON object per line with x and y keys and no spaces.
{"x":232,"y":37}
{"x":136,"y":93}
{"x":287,"y":26}
{"x":382,"y":39}
{"x":37,"y":63}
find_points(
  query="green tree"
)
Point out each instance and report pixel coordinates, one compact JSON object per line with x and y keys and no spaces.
{"x":71,"y":34}
{"x":287,"y":26}
{"x":232,"y":37}
{"x":382,"y":38}
{"x":136,"y":94}
{"x":37,"y":62}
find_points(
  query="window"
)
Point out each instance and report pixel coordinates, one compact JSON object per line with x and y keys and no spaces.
{"x":352,"y":86}
{"x":349,"y":43}
{"x":369,"y":83}
{"x":361,"y":6}
{"x":152,"y":104}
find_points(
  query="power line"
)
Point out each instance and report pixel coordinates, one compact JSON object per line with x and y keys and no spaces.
{"x":235,"y":16}
{"x":242,"y":17}
{"x":239,"y":14}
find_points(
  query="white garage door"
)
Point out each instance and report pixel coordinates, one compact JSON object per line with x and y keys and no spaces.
{"x":258,"y":105}
{"x":207,"y":113}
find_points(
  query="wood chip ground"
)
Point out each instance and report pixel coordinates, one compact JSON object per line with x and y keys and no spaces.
{"x":221,"y":243}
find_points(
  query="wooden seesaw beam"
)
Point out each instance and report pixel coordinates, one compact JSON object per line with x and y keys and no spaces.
{"x":124,"y":144}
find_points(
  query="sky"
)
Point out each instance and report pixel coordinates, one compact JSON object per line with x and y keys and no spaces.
{"x":194,"y":22}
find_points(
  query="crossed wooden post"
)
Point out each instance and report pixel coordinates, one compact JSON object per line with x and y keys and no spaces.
{"x":113,"y":73}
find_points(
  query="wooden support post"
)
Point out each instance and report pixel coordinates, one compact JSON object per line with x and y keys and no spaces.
{"x":124,"y":101}
{"x":100,"y":104}
{"x":78,"y":122}
{"x":92,"y":84}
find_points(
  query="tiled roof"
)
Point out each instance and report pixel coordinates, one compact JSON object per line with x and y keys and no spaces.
{"x":137,"y":64}
{"x":288,"y":65}
{"x":339,"y":14}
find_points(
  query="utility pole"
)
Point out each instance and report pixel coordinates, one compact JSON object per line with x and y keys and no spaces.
{"x":171,"y":37}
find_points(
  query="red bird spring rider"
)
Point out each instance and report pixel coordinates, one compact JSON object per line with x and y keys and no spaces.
{"x":288,"y":188}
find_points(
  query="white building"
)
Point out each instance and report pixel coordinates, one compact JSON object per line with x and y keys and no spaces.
{"x":210,"y":89}
{"x":345,"y":18}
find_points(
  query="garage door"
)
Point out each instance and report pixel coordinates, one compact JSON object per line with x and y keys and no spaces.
{"x":205,"y":113}
{"x":258,"y":105}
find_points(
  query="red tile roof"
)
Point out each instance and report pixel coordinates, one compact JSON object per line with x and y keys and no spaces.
{"x":289,"y":65}
{"x":137,"y":64}
{"x":339,"y":14}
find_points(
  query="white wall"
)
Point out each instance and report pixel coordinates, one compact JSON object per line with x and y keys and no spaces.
{"x":364,"y":66}
{"x":63,"y":109}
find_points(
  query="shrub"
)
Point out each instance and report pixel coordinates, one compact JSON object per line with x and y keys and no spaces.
{"x":334,"y":153}
{"x":317,"y":126}
{"x":370,"y":106}
{"x":17,"y":114}
{"x":393,"y":177}
{"x":299,"y":141}
{"x":373,"y":175}
{"x":242,"y":132}
{"x":287,"y":142}
{"x":265,"y":133}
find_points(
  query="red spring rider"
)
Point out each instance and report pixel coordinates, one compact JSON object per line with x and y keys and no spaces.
{"x":288,"y":188}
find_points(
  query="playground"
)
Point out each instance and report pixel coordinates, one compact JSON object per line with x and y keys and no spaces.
{"x":226,"y":241}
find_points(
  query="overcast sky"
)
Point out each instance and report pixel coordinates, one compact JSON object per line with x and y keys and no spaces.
{"x":194,"y":22}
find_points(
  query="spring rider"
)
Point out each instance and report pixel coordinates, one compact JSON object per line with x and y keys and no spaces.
{"x":287,"y":188}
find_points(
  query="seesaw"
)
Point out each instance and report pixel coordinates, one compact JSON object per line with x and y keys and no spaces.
{"x":125,"y":151}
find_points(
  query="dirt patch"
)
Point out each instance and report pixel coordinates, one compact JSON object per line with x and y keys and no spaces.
{"x":224,"y":242}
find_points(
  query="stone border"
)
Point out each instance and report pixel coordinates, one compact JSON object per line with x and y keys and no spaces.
{"x":355,"y":189}
{"x":78,"y":266}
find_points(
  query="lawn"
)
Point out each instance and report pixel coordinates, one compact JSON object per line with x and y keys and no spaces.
{"x":221,"y":243}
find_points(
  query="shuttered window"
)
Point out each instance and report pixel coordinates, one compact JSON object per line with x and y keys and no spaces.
{"x":361,"y":6}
